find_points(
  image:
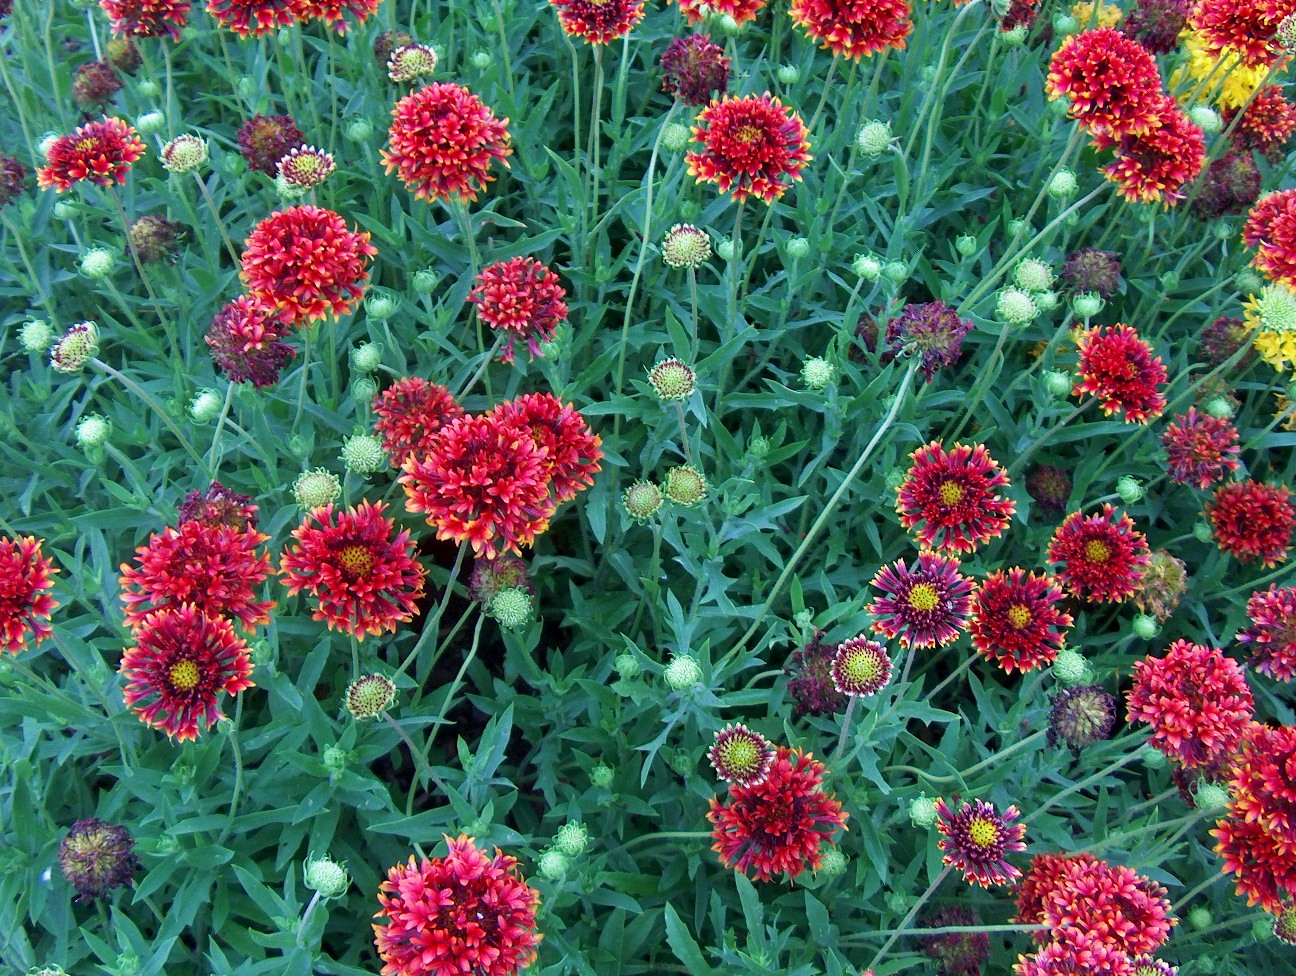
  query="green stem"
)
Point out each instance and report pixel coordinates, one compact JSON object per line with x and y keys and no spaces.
{"x":912,"y":914}
{"x":214,"y":457}
{"x":236,"y":792}
{"x":1088,"y":781}
{"x":156,"y":407}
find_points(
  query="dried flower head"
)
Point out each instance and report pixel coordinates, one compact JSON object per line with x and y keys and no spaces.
{"x":265,"y":139}
{"x":1163,"y":584}
{"x":1081,"y":716}
{"x":369,"y":696}
{"x":94,"y":85}
{"x":933,"y":331}
{"x":96,"y":857}
{"x":693,"y":68}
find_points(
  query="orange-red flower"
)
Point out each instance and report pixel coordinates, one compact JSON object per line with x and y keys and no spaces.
{"x":101,"y":152}
{"x":572,"y":451}
{"x":953,"y":498}
{"x":854,"y":28}
{"x":255,"y":17}
{"x":519,"y":298}
{"x":246,"y":342}
{"x":1103,"y":553}
{"x":751,"y":146}
{"x":307,"y":263}
{"x":410,"y":413}
{"x":1271,"y":230}
{"x":1272,"y":634}
{"x":1267,"y":123}
{"x":1015,"y":622}
{"x":146,"y":18}
{"x":1201,"y":449}
{"x":1110,"y":80}
{"x":25,"y":607}
{"x":1112,"y":903}
{"x":465,"y":913}
{"x":976,"y":838}
{"x":443,"y":140}
{"x":360,"y":570}
{"x":598,"y":21}
{"x":331,"y":11}
{"x":1075,"y":953}
{"x":1252,"y":521}
{"x":1118,"y":368}
{"x":181,"y":661}
{"x":1244,"y":29}
{"x":740,"y":10}
{"x":1155,"y":164}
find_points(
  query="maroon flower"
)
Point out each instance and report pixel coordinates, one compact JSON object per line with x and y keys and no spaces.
{"x":976,"y":839}
{"x":217,"y":505}
{"x":923,"y":604}
{"x":96,"y":857}
{"x":954,"y":498}
{"x":1272,"y":634}
{"x":693,"y":67}
{"x":933,"y":330}
{"x":1252,"y":521}
{"x":245,"y":339}
{"x":265,"y":139}
{"x":1201,"y":449}
{"x":810,"y":681}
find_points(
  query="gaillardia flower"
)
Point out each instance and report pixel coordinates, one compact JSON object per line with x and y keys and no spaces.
{"x":598,"y":21}
{"x":810,"y":681}
{"x":101,"y":152}
{"x":217,"y":505}
{"x":96,"y":857}
{"x":1103,"y":555}
{"x":246,"y":342}
{"x":1090,"y":270}
{"x":252,"y":17}
{"x":357,"y":566}
{"x":410,"y":413}
{"x":740,"y":10}
{"x":1118,"y":368}
{"x":146,"y":18}
{"x":1201,"y":449}
{"x":861,"y":667}
{"x":1015,"y":621}
{"x":950,"y":498}
{"x":1110,"y":80}
{"x":1076,"y":953}
{"x":1245,"y":30}
{"x":934,"y":332}
{"x":156,"y":239}
{"x":1081,"y":716}
{"x":1271,"y":230}
{"x":924,"y":604}
{"x":779,"y":825}
{"x":1272,"y":634}
{"x":265,"y":139}
{"x":1156,"y":24}
{"x":686,"y":246}
{"x":1050,"y":488}
{"x":1252,"y":521}
{"x":303,"y":167}
{"x":976,"y":839}
{"x":1155,"y":164}
{"x":521,"y":299}
{"x":573,"y":452}
{"x":94,"y":86}
{"x":181,"y":661}
{"x":463,"y":913}
{"x":854,"y":28}
{"x":25,"y":606}
{"x":741,"y":756}
{"x":694,"y":67}
{"x":956,"y":953}
{"x":306,"y":262}
{"x":443,"y":140}
{"x":13,"y":179}
{"x":331,"y":11}
{"x":1266,"y":124}
{"x":751,"y":146}
{"x":1164,"y":582}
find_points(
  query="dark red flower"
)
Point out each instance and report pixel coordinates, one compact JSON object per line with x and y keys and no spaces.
{"x":306,"y":262}
{"x":386,"y":43}
{"x":214,"y":567}
{"x":465,"y":913}
{"x":1272,"y":634}
{"x":779,"y":825}
{"x":181,"y":661}
{"x":1271,"y":229}
{"x":956,"y":953}
{"x":1201,"y":449}
{"x":156,"y":239}
{"x":519,"y":298}
{"x":1252,"y":521}
{"x":1091,"y":270}
{"x":443,"y":140}
{"x":217,"y":505}
{"x":740,"y":10}
{"x":1075,"y":953}
{"x":598,"y":21}
{"x":332,"y":12}
{"x":410,"y":412}
{"x":751,"y":146}
{"x":1242,"y":29}
{"x":572,"y":451}
{"x":265,"y":139}
{"x":96,"y":857}
{"x":122,"y":54}
{"x":1114,"y":904}
{"x":924,"y":604}
{"x":950,"y":497}
{"x":1156,"y":24}
{"x":693,"y":67}
{"x":1110,"y":80}
{"x":1050,"y":488}
{"x":490,"y":576}
{"x":933,"y":330}
{"x":1103,"y":555}
{"x":1229,"y":185}
{"x":254,"y":17}
{"x":94,"y":85}
{"x":13,"y":179}
{"x":25,"y":606}
{"x":1081,"y":716}
{"x":1196,"y":700}
{"x":1267,"y":123}
{"x":360,"y":570}
{"x":810,"y":681}
{"x":861,"y":667}
{"x":1157,"y":162}
{"x":741,"y":756}
{"x":854,"y":28}
{"x":1221,"y":340}
{"x":976,"y":839}
{"x":1015,"y":622}
{"x":483,"y":481}
{"x":101,"y":152}
{"x":246,"y":344}
{"x":147,"y":18}
{"x":1118,"y":368}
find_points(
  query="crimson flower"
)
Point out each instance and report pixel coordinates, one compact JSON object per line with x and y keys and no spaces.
{"x":976,"y":839}
{"x":217,"y":505}
{"x":1242,"y":29}
{"x":1157,"y":162}
{"x":254,"y":17}
{"x":265,"y":139}
{"x":950,"y":498}
{"x":854,"y":28}
{"x":751,"y":146}
{"x":740,"y":10}
{"x":1118,"y":368}
{"x":25,"y":607}
{"x":1156,"y":24}
{"x":306,"y":262}
{"x":1272,"y":634}
{"x":410,"y":413}
{"x":1103,"y":553}
{"x":933,"y":330}
{"x":465,"y":913}
{"x":1202,"y":449}
{"x":923,"y":604}
{"x":693,"y":67}
{"x":779,"y":825}
{"x":146,"y":18}
{"x":1110,"y":80}
{"x":101,"y":152}
{"x":1015,"y":622}
{"x":332,"y":12}
{"x":1271,"y":230}
{"x":1252,"y":521}
{"x":519,"y":298}
{"x":573,"y":453}
{"x":598,"y":21}
{"x":443,"y":140}
{"x":246,"y":342}
{"x":1267,"y":123}
{"x":181,"y":661}
{"x":1048,"y":872}
{"x":1196,"y":700}
{"x":1076,"y":953}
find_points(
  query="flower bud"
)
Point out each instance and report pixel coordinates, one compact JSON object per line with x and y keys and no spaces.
{"x":380,"y":306}
{"x":1015,"y":37}
{"x":672,"y":379}
{"x":313,"y":489}
{"x":1200,"y":918}
{"x":1087,"y":304}
{"x":685,"y":485}
{"x":1219,"y":408}
{"x":686,"y":246}
{"x":363,"y":454}
{"x":922,"y":811}
{"x":45,"y":143}
{"x":98,"y":262}
{"x":1153,"y":758}
{"x":366,"y":357}
{"x":601,"y":776}
{"x":358,"y":130}
{"x":327,"y":876}
{"x":1065,"y":24}
{"x":553,"y":865}
{"x":36,"y":335}
{"x":205,"y":407}
{"x":150,"y":123}
{"x":675,"y":137}
{"x":682,"y":672}
{"x":1169,"y":281}
{"x":572,"y":838}
{"x":725,"y":249}
{"x":75,"y":348}
{"x":1210,"y":796}
{"x":92,"y":431}
{"x":512,"y":608}
{"x":1033,"y":275}
{"x":798,"y":248}
{"x":1063,"y":184}
{"x":817,"y":373}
{"x":481,"y":60}
{"x":1015,"y":306}
{"x":874,"y":138}
{"x":1206,"y":118}
{"x":1248,"y":282}
{"x":1046,"y":301}
{"x":184,"y":154}
{"x":364,"y":389}
{"x":369,"y":696}
{"x":896,"y":271}
{"x":1202,"y":531}
{"x":832,"y":864}
{"x":1145,"y":627}
{"x":1069,"y":668}
{"x":1019,"y":226}
{"x":1129,"y":489}
{"x":729,"y":25}
{"x":336,"y":760}
{"x":148,"y":88}
{"x":642,"y":500}
{"x":867,"y":266}
{"x":788,"y":74}
{"x":1058,"y":384}
{"x":966,"y":245}
{"x":626,"y":665}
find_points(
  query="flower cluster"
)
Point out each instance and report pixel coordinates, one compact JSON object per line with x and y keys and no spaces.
{"x":693,"y":68}
{"x":1271,"y":229}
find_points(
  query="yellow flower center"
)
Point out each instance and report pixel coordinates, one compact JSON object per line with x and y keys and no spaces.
{"x":950,"y":493}
{"x":1018,"y":615}
{"x":740,"y":755}
{"x":862,"y":668}
{"x":1097,"y":551}
{"x":747,"y":133}
{"x":924,"y":598}
{"x":983,"y":832}
{"x":184,"y":675}
{"x":357,"y":560}
{"x":85,"y":145}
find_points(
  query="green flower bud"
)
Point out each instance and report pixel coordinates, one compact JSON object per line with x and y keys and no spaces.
{"x":1153,"y":758}
{"x":364,"y":389}
{"x":92,"y":431}
{"x":366,"y":357}
{"x":425,"y":281}
{"x":148,"y":88}
{"x":642,"y":500}
{"x":729,"y":25}
{"x":205,"y":407}
{"x":682,"y":672}
{"x":1057,"y":384}
{"x":363,"y":454}
{"x":553,"y":865}
{"x":1145,"y":627}
{"x":46,"y":142}
{"x":315,"y":488}
{"x":626,"y":665}
{"x":817,"y":373}
{"x":832,"y":864}
{"x":966,"y":245}
{"x":725,"y":249}
{"x":1202,"y":531}
{"x":1129,"y":489}
{"x":98,"y":262}
{"x":1015,"y":306}
{"x":36,"y":335}
{"x":358,"y":130}
{"x":1210,"y":796}
{"x":1046,"y":301}
{"x":922,"y":811}
{"x":481,"y":60}
{"x":1015,"y":37}
{"x":184,"y":154}
{"x":1033,"y":275}
{"x":369,"y":696}
{"x":758,"y":447}
{"x":672,"y":379}
{"x":867,"y":266}
{"x":150,"y":123}
{"x":1065,"y":24}
{"x":874,"y":138}
{"x":1248,"y":282}
{"x":798,"y":248}
{"x":1206,"y":118}
{"x":1087,"y":304}
{"x":336,"y":759}
{"x":789,"y":74}
{"x":675,"y":137}
{"x":1069,"y":668}
{"x":1219,"y":408}
{"x":1019,"y":226}
{"x":65,"y":209}
{"x":572,"y":838}
{"x":327,"y":876}
{"x":1063,"y":184}
{"x":896,"y":271}
{"x":1200,"y":918}
{"x":512,"y":608}
{"x":1169,"y":281}
{"x":380,"y":306}
{"x":601,"y":776}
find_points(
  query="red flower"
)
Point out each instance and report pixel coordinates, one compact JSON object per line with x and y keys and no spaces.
{"x":1272,"y":633}
{"x":362,"y":572}
{"x":572,"y":451}
{"x":146,"y":18}
{"x":1119,"y":369}
{"x":484,"y":481}
{"x":519,"y":298}
{"x":213,"y":567}
{"x":1196,"y":700}
{"x":598,"y":21}
{"x":924,"y":605}
{"x":265,"y":139}
{"x":751,"y":146}
{"x":1104,"y":555}
{"x":854,"y":28}
{"x":332,"y":11}
{"x":1160,"y":160}
{"x":182,"y":659}
{"x":741,"y":756}
{"x":1271,"y":229}
{"x":305,"y":262}
{"x":1047,"y":873}
{"x":740,"y":10}
{"x":976,"y":838}
{"x":950,"y":497}
{"x":443,"y":141}
{"x":779,"y":825}
{"x":24,"y":604}
{"x":1244,"y":29}
{"x":693,"y":67}
{"x":1156,"y":24}
{"x":861,"y":667}
{"x":1202,"y":449}
{"x":255,"y":17}
{"x":245,"y":342}
{"x":1014,"y":621}
{"x":1252,"y":521}
{"x":101,"y":152}
{"x":410,"y":412}
{"x":1075,"y":953}
{"x":1113,"y":904}
{"x":217,"y":505}
{"x":1267,"y":123}
{"x":1111,"y":81}
{"x":465,"y":913}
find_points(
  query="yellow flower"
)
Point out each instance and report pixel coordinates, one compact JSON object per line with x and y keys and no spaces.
{"x":1281,"y":406}
{"x":1108,"y":14}
{"x":1232,"y":84}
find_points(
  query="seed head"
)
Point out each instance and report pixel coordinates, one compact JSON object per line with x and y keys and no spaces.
{"x":685,"y":485}
{"x":363,"y":454}
{"x":512,"y":608}
{"x":873,"y":139}
{"x":642,"y":500}
{"x":671,"y":379}
{"x":96,"y":857}
{"x":92,"y":431}
{"x":685,"y":246}
{"x":98,"y":262}
{"x":369,"y":696}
